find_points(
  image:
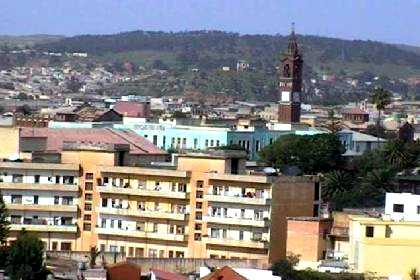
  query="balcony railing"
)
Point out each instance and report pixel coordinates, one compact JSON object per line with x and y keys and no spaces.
{"x":142,"y":213}
{"x":237,"y":221}
{"x":42,"y":208}
{"x":142,"y":234}
{"x":237,"y":199}
{"x":340,"y":231}
{"x":142,"y":192}
{"x":42,"y":187}
{"x":237,"y":243}
{"x":44,"y":228}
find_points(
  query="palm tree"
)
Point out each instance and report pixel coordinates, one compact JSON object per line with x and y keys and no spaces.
{"x":381,"y":98}
{"x":414,"y":274}
{"x":336,"y":182}
{"x":397,"y":153}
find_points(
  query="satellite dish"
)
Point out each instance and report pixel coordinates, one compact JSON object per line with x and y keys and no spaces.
{"x":269,"y":170}
{"x":13,"y":157}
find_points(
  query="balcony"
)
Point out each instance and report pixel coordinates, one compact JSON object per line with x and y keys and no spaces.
{"x":237,"y":199}
{"x":142,"y":234}
{"x":140,"y":213}
{"x":40,"y":187}
{"x":44,"y":228}
{"x":236,"y":221}
{"x":342,"y":232}
{"x":236,"y":243}
{"x":144,"y":171}
{"x":39,"y":166}
{"x":42,"y":208}
{"x":142,"y":192}
{"x":253,"y":179}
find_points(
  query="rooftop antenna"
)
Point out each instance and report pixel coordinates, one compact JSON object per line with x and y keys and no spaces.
{"x":293,"y":28}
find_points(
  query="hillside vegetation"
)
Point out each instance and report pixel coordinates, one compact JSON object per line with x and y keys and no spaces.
{"x":209,"y":50}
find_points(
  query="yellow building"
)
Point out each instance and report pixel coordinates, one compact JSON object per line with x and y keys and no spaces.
{"x":207,"y":206}
{"x":389,"y":249}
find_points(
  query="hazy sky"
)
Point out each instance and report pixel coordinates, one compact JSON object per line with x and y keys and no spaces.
{"x":395,"y":21}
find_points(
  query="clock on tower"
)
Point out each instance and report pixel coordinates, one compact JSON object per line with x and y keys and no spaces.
{"x":290,"y":82}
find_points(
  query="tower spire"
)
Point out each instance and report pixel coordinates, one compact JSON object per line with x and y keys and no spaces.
{"x":293,"y":46}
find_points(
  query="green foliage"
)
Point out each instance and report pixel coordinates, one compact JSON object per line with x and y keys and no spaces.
{"x":25,"y":259}
{"x":94,"y":253}
{"x":4,"y":223}
{"x":374,"y":173}
{"x":312,"y":154}
{"x":285,"y":269}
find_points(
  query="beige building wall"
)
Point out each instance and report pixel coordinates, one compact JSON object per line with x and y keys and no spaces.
{"x":9,"y":141}
{"x":392,"y":251}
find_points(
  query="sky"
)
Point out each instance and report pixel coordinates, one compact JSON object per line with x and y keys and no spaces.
{"x":393,"y":21}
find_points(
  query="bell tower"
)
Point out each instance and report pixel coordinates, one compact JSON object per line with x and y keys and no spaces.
{"x":290,"y":82}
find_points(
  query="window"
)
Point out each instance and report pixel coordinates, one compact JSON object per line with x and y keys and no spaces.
{"x":87,"y":217}
{"x":171,"y":254}
{"x":155,"y":140}
{"x":198,"y":216}
{"x":15,"y":219}
{"x":197,"y":236}
{"x":211,"y":143}
{"x":54,"y":246}
{"x":195,"y":143}
{"x":113,"y":248}
{"x":65,"y":246}
{"x":241,"y":235}
{"x":102,"y":247}
{"x":89,"y":176}
{"x":36,"y":178}
{"x":67,"y":200}
{"x":316,"y":191}
{"x":182,"y":187}
{"x":164,"y":142}
{"x":57,"y":179}
{"x":179,"y":254}
{"x":139,"y":252}
{"x":198,"y":226}
{"x":68,"y":180}
{"x":104,"y":202}
{"x":184,"y":142}
{"x":131,"y":251}
{"x":17,"y":178}
{"x":198,"y":205}
{"x":207,"y":143}
{"x":370,"y":231}
{"x":88,"y":196}
{"x":215,"y":233}
{"x":87,"y":227}
{"x":36,"y":198}
{"x":418,"y":209}
{"x":153,"y":253}
{"x":88,"y":186}
{"x":217,"y":143}
{"x":257,"y":145}
{"x":145,"y":136}
{"x":398,"y":208}
{"x":16,"y":199}
{"x":56,"y":200}
{"x":88,"y":207}
{"x":199,"y":194}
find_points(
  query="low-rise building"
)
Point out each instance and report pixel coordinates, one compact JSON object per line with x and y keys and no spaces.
{"x":356,"y":143}
{"x":387,"y":246}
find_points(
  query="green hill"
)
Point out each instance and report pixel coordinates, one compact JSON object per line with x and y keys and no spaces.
{"x":209,"y":50}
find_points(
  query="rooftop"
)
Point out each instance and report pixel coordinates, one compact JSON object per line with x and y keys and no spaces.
{"x":57,"y":136}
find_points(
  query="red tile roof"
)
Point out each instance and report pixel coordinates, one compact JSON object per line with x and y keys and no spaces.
{"x":225,"y":273}
{"x":166,"y":275}
{"x":132,"y":109}
{"x":56,"y":137}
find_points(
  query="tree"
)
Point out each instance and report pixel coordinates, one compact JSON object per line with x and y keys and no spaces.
{"x":333,"y":122}
{"x":397,"y":153}
{"x":381,"y":98}
{"x":25,"y":260}
{"x":4,"y":223}
{"x":312,"y":154}
{"x":337,"y":181}
{"x":94,"y":253}
{"x":414,"y":274}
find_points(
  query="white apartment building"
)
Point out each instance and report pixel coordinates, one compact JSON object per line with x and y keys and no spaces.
{"x":402,"y":207}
